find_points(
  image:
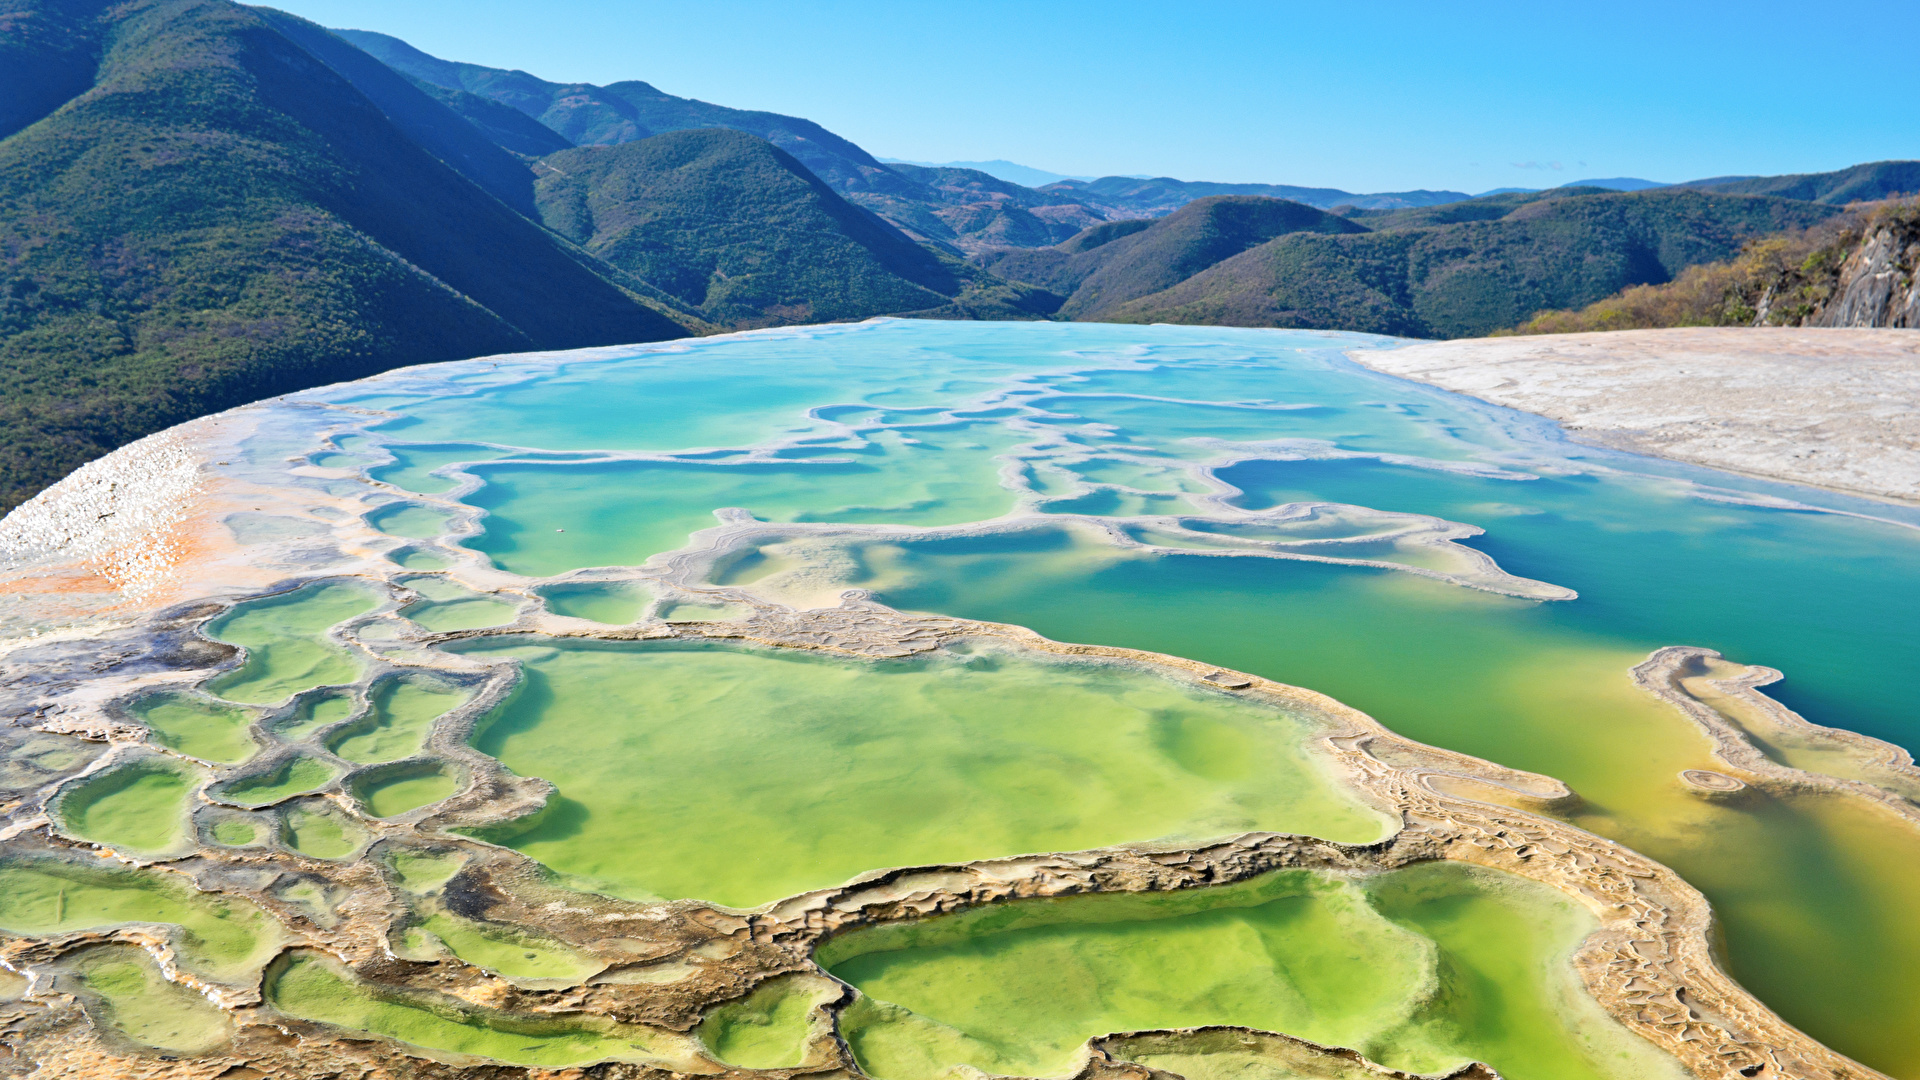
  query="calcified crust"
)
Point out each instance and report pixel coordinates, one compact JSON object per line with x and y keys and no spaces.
{"x":1885,"y":774}
{"x":1111,"y":1056}
{"x":1827,"y":407}
{"x":1649,"y":964}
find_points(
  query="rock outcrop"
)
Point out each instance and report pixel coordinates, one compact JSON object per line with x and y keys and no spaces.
{"x":1879,"y":284}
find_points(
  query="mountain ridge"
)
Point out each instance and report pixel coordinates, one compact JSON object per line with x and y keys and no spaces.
{"x":219,"y":216}
{"x":1472,"y":277}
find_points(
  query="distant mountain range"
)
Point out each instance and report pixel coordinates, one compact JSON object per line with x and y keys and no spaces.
{"x":207,"y":203}
{"x":1468,"y":269}
{"x":998,"y":168}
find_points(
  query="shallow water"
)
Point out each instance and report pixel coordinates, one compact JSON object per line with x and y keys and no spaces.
{"x":221,"y":937}
{"x":295,"y":776}
{"x":768,"y":1028}
{"x":315,"y":827}
{"x":608,"y":604}
{"x":314,"y":989}
{"x":287,"y":647}
{"x":396,"y":727}
{"x":1421,"y":969}
{"x":314,"y":712}
{"x":204,"y":729}
{"x":126,"y":989}
{"x":140,"y":806}
{"x":769,"y":773}
{"x":393,"y":794}
{"x":1509,"y":681}
{"x":448,"y":605}
{"x":501,"y":949}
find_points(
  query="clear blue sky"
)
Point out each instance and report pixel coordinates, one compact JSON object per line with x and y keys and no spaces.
{"x":1366,"y":97}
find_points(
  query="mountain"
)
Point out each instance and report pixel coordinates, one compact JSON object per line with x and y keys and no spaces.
{"x":430,"y":124}
{"x":1861,"y":268}
{"x":1619,"y":183}
{"x":624,"y":111}
{"x":1470,"y":277}
{"x":959,"y":208}
{"x":508,"y":127}
{"x":973,"y":210}
{"x":1135,"y":196}
{"x":999,"y":168}
{"x":1483,"y":208}
{"x":1861,"y":183}
{"x":738,"y":230}
{"x":1110,"y":264}
{"x":216,"y":215}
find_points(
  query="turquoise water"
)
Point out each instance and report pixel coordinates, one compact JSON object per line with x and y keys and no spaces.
{"x":911,"y":428}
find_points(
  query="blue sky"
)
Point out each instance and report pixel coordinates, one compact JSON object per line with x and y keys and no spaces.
{"x":1366,"y":97}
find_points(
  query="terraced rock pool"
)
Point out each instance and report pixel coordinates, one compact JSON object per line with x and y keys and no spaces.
{"x":990,"y":697}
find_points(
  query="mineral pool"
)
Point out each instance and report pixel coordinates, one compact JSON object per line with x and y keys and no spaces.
{"x":1251,"y":499}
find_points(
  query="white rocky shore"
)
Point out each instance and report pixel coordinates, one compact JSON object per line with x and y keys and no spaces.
{"x":1833,"y":408}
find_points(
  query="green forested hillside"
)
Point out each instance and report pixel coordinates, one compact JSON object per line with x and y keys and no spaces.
{"x":629,"y":110}
{"x":1474,"y":277}
{"x":962,"y":209}
{"x":1861,"y":183}
{"x":507,"y":126}
{"x":974,"y":211}
{"x":1113,"y":263}
{"x":736,"y":229}
{"x":215,"y":217}
{"x":426,"y":122}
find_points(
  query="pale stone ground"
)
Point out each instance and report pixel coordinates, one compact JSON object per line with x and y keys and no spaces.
{"x":1835,"y":408}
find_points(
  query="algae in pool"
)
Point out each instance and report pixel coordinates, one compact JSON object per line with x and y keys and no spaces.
{"x":449,"y":605}
{"x":394,"y":793}
{"x":287,"y":647}
{"x":221,"y":937}
{"x":1544,"y":687}
{"x":137,"y":998}
{"x":612,"y":604}
{"x":295,"y":776}
{"x":741,"y":775}
{"x":140,"y":806}
{"x":312,"y":714}
{"x":705,"y":612}
{"x":203,"y":729}
{"x":317,"y":828}
{"x":311,"y":988}
{"x":422,"y":872}
{"x":1421,"y":969}
{"x":404,"y":710}
{"x":237,"y":831}
{"x":769,"y":1028}
{"x":504,"y":950}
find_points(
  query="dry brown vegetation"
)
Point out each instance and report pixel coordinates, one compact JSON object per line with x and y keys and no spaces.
{"x":1784,"y":279}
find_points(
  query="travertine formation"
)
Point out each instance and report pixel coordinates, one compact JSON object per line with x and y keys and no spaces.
{"x":1649,"y":964}
{"x":661,"y":967}
{"x":1724,"y":699}
{"x":1834,"y":408}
